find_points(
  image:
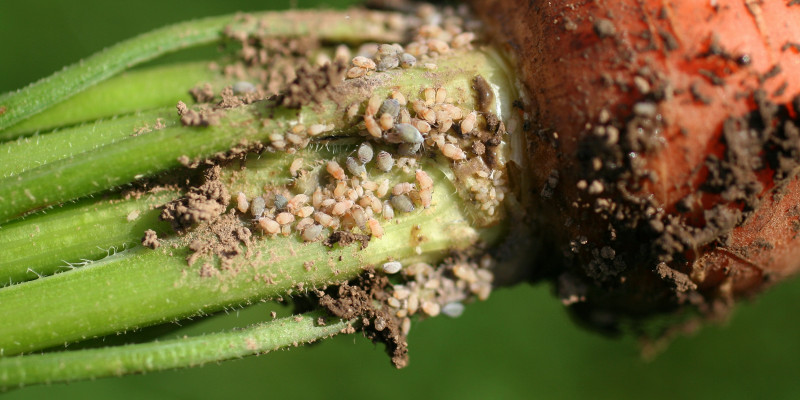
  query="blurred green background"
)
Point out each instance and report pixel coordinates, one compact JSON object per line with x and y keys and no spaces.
{"x":519,"y":344}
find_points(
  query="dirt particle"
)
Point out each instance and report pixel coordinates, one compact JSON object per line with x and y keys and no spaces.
{"x":681,"y":281}
{"x":313,"y":84}
{"x":133,"y":215}
{"x":357,"y":300}
{"x":344,"y":238}
{"x":203,"y":203}
{"x":150,"y":239}
{"x":604,"y":28}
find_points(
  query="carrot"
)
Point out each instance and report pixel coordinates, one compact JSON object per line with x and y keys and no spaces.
{"x":671,"y":129}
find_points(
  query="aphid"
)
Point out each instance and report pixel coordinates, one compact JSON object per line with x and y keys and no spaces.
{"x":373,"y":105}
{"x":342,"y":53}
{"x":241,"y":202}
{"x":429,"y":95}
{"x":305,"y":211}
{"x":257,"y":206}
{"x":269,"y":226}
{"x":355,"y":168}
{"x":304,"y":223}
{"x":468,"y":124}
{"x":391,"y":107}
{"x":384,"y":162}
{"x":375,"y":204}
{"x":402,"y":203}
{"x":284,"y":218}
{"x":297,"y":201}
{"x":387,"y":63}
{"x":316,"y":197}
{"x":243,"y":87}
{"x":388,"y":211}
{"x":431,"y":308}
{"x":428,"y":115}
{"x":386,"y":49}
{"x":311,"y":233}
{"x":386,"y":121}
{"x":392,"y":267}
{"x":298,"y":129}
{"x":363,"y":62}
{"x":402,"y":188}
{"x":352,"y":110}
{"x":423,"y":179}
{"x":323,"y":219}
{"x":439,"y":46}
{"x":341,"y":207}
{"x":462,"y":40}
{"x":408,"y":149}
{"x":455,"y":112}
{"x":293,"y":139}
{"x":401,"y":100}
{"x":335,"y":170}
{"x":441,"y":95}
{"x":356,"y":72}
{"x":340,"y":189}
{"x":280,"y":202}
{"x":391,"y":301}
{"x":372,"y":127}
{"x":316,"y":129}
{"x":365,"y":153}
{"x":383,"y":188}
{"x":407,"y":60}
{"x":425,"y":198}
{"x":406,"y":326}
{"x":413,"y":303}
{"x":327,"y":203}
{"x":297,"y":163}
{"x":359,"y":217}
{"x":404,"y":133}
{"x":453,"y":152}
{"x":405,"y":116}
{"x":422,"y":126}
{"x":445,"y":125}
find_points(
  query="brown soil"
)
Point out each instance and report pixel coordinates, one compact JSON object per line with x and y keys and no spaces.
{"x":344,"y":238}
{"x":203,"y":203}
{"x":365,"y":300}
{"x":313,"y":84}
{"x":150,"y":239}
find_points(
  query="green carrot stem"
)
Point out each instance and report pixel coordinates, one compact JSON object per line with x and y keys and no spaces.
{"x":132,"y":91}
{"x":140,"y":287}
{"x":329,"y":25}
{"x":176,"y":353}
{"x":77,"y":234}
{"x":144,"y":155}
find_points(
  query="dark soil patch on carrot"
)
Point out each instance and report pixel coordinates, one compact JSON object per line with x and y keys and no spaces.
{"x":365,"y":299}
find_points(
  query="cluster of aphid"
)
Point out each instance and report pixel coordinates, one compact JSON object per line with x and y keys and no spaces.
{"x":354,"y":194}
{"x":432,"y":291}
{"x":438,"y":35}
{"x":350,"y":204}
{"x":298,"y":137}
{"x":441,"y":126}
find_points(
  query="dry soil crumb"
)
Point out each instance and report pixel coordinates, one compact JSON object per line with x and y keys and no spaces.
{"x":223,"y":241}
{"x":344,"y":238}
{"x":356,"y":300}
{"x":150,"y":239}
{"x":203,"y":203}
{"x":313,"y":84}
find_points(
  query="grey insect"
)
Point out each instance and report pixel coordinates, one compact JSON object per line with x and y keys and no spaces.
{"x":404,"y":133}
